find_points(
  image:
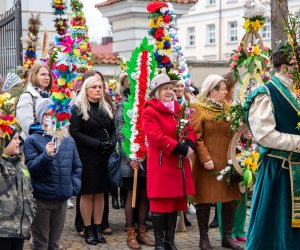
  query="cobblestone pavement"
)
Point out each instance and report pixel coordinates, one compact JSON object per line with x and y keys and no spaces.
{"x":184,"y":240}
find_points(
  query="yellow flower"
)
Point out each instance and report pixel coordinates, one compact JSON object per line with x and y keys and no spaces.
{"x":6,"y":95}
{"x":160,"y":45}
{"x":256,"y":50}
{"x":158,"y":21}
{"x":247,"y":24}
{"x":168,"y":51}
{"x":255,"y":155}
{"x":70,"y":84}
{"x":155,"y":22}
{"x":254,"y":166}
{"x":61,"y":81}
{"x":10,"y":101}
{"x":76,"y":52}
{"x":58,"y":95}
{"x":256,"y":25}
{"x":248,"y":162}
{"x":83,"y":46}
{"x":298,"y":124}
{"x":299,"y":113}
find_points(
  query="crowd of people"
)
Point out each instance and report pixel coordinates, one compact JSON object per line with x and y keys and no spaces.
{"x":35,"y":188}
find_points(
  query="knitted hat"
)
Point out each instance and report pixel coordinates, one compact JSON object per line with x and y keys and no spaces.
{"x":8,"y":139}
{"x":209,"y":83}
{"x":42,"y":105}
{"x":159,"y":80}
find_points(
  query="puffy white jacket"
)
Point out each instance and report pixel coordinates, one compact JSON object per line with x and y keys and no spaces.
{"x":25,"y":109}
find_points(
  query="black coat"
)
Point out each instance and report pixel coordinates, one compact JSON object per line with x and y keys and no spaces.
{"x":89,"y":136}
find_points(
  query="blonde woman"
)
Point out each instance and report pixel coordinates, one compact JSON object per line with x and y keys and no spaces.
{"x":92,"y":129}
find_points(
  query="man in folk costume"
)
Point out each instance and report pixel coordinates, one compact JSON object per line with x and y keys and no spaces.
{"x":271,"y":112}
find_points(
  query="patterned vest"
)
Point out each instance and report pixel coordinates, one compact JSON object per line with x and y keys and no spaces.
{"x":285,"y":107}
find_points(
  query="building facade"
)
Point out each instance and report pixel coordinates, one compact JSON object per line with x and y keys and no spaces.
{"x":42,"y":7}
{"x":212,"y":28}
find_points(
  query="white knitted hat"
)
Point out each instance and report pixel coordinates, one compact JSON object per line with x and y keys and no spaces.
{"x":209,"y":83}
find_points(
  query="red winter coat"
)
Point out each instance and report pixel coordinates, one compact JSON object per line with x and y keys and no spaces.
{"x":164,"y":178}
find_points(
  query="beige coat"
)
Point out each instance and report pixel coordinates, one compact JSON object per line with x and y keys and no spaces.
{"x":212,"y":142}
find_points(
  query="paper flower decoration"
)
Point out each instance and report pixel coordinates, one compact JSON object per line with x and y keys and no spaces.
{"x":140,"y":70}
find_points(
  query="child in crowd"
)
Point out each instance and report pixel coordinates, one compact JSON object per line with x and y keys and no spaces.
{"x":55,"y":173}
{"x":16,"y":200}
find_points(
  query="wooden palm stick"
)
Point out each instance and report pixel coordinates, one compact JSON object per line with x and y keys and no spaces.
{"x":136,"y":171}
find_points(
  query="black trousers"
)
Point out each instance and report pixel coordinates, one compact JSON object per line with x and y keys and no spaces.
{"x":78,"y":218}
{"x":11,"y":243}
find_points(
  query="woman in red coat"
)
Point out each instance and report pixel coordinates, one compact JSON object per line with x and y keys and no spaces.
{"x":167,"y":185}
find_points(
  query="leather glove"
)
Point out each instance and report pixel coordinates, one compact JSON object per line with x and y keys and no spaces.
{"x":107,"y":146}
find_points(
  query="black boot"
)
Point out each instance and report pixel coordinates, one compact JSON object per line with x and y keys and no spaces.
{"x":227,"y":222}
{"x":202,"y":211}
{"x":98,"y":233}
{"x":149,"y":216}
{"x":215,"y":222}
{"x":89,"y":235}
{"x":159,"y":224}
{"x":114,"y":200}
{"x":187,"y":223}
{"x":170,"y":231}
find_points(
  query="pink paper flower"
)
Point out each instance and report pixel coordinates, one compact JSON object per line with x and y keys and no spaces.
{"x":250,"y":49}
{"x":239,"y":48}
{"x":233,"y":64}
{"x":235,"y":57}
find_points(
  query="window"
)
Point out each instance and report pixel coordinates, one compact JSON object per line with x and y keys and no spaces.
{"x":232,"y":32}
{"x":211,"y":2}
{"x":211,"y":34}
{"x":266,"y":30}
{"x":190,"y":36}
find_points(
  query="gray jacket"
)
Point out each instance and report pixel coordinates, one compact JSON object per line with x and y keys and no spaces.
{"x":25,"y":109}
{"x":126,"y":169}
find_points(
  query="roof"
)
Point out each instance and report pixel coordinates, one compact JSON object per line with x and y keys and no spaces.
{"x":110,"y":2}
{"x":102,"y":54}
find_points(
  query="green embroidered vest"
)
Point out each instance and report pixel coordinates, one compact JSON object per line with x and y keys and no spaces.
{"x":285,"y":107}
{"x":285,"y":110}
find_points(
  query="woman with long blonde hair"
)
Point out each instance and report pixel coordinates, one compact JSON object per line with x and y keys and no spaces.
{"x":92,"y":129}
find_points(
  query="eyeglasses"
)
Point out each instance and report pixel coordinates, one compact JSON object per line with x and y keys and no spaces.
{"x":96,"y":87}
{"x":45,"y":74}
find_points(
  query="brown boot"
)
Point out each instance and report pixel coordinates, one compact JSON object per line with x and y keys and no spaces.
{"x":131,"y":239}
{"x":202,"y":211}
{"x":143,"y":238}
{"x":227,"y":222}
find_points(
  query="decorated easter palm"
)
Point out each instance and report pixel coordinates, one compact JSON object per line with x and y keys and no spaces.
{"x":140,"y":69}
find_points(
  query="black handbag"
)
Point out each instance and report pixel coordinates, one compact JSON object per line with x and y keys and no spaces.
{"x":114,"y":168}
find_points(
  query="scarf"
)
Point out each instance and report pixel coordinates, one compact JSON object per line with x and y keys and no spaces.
{"x":43,"y":93}
{"x":169,"y":105}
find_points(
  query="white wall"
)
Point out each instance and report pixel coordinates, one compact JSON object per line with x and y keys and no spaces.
{"x":43,"y":7}
{"x":202,"y":14}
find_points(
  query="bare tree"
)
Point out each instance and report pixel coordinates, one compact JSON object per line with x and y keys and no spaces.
{"x":278,"y":9}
